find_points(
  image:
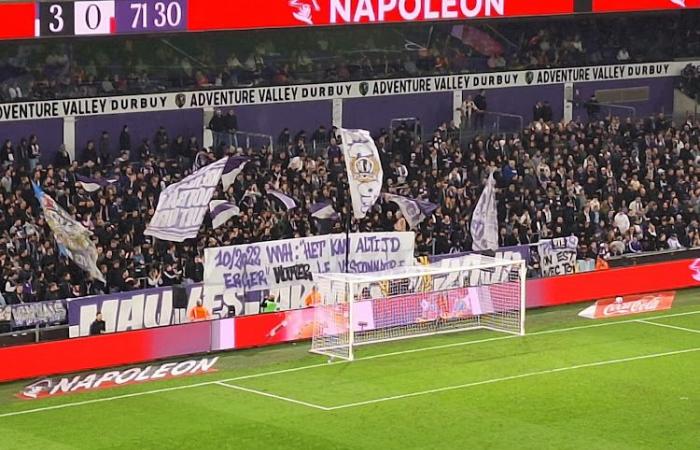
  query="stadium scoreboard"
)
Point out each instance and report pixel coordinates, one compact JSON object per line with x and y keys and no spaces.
{"x":62,"y":18}
{"x":105,"y":17}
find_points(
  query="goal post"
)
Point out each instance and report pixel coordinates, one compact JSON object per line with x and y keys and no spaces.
{"x":360,"y":309}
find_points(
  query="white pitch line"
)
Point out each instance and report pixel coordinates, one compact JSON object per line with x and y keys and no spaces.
{"x":313,"y":366}
{"x":513,"y":377}
{"x":689,"y":330}
{"x":277,"y":397}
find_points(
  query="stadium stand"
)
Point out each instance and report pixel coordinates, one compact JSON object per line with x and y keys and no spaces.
{"x":621,"y":186}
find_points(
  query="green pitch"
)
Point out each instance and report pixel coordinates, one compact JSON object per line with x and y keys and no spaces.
{"x":632,"y":383}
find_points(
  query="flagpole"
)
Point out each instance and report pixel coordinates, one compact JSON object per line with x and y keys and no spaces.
{"x":348,"y":224}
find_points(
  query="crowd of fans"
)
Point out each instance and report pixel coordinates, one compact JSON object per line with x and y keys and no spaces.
{"x":690,"y":81}
{"x":113,"y":66}
{"x":620,"y":186}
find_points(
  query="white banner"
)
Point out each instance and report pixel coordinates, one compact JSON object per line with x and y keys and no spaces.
{"x":292,"y":262}
{"x":330,"y":91}
{"x":182,"y":206}
{"x":365,"y":174}
{"x":558,"y":256}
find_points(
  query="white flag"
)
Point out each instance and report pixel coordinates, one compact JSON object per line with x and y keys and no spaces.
{"x":182,"y":206}
{"x":365,"y":174}
{"x":221,"y":211}
{"x":415,"y":211}
{"x":484,"y":227}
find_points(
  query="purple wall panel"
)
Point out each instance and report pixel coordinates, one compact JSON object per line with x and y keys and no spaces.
{"x":521,"y":100}
{"x":49,"y":132}
{"x":374,"y":113}
{"x":660,"y":94}
{"x":186,"y":122}
{"x":272,"y":119}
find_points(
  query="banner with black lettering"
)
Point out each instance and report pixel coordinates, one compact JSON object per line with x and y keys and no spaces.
{"x":183,"y":205}
{"x":558,"y":256}
{"x":267,"y":265}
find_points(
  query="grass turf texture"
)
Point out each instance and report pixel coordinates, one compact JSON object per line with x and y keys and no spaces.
{"x":602,"y":386}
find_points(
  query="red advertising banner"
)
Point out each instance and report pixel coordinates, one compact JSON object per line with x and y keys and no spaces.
{"x":274,"y":328}
{"x":108,"y":350}
{"x":589,"y":286}
{"x":632,"y":304}
{"x":206,"y":15}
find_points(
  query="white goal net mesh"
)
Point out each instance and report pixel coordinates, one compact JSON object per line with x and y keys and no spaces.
{"x":481,"y":292}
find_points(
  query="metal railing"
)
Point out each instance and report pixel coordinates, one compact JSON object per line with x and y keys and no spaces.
{"x":412,"y":124}
{"x":488,"y":123}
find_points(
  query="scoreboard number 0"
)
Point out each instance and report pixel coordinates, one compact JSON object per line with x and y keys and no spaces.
{"x":93,"y":17}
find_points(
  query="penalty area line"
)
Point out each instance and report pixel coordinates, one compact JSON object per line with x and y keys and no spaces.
{"x":513,"y":377}
{"x":276,"y":397}
{"x":673,"y":327}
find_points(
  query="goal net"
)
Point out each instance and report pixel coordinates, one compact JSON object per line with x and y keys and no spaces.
{"x":478,"y":292}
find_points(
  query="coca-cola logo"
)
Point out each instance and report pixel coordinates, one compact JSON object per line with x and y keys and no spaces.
{"x":635,"y":307}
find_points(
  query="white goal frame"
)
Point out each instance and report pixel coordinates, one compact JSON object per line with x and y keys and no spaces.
{"x":347,"y":297}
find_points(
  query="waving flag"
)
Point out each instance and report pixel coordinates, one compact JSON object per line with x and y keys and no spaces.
{"x":183,"y":205}
{"x":221,"y":211}
{"x":484,"y":226}
{"x":93,"y":184}
{"x":415,"y":211}
{"x":287,"y":201}
{"x":365,"y":174}
{"x":72,"y":238}
{"x":234,"y":167}
{"x":323,"y":211}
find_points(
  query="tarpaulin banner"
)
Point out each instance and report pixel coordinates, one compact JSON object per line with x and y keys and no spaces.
{"x":148,"y":308}
{"x":558,"y":256}
{"x":5,"y":313}
{"x":40,"y":313}
{"x":628,"y":305}
{"x":270,"y":265}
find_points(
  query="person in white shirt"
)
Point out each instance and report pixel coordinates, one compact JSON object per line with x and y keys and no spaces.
{"x":622,"y":221}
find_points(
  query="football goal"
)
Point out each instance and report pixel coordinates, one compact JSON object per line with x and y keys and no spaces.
{"x":474,"y":292}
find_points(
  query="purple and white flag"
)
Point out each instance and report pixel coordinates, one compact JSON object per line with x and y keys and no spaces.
{"x":72,"y":237}
{"x":221,"y":211}
{"x":287,"y":201}
{"x":323,"y":211}
{"x":365,"y":173}
{"x":484,"y":226}
{"x":93,"y":184}
{"x":415,"y":211}
{"x":234,"y":167}
{"x":183,"y":205}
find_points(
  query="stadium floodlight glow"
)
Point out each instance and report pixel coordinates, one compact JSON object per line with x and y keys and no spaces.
{"x":361,"y":309}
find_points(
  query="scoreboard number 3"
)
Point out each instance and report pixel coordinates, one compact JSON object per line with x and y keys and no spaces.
{"x":57,"y":24}
{"x":56,"y":19}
